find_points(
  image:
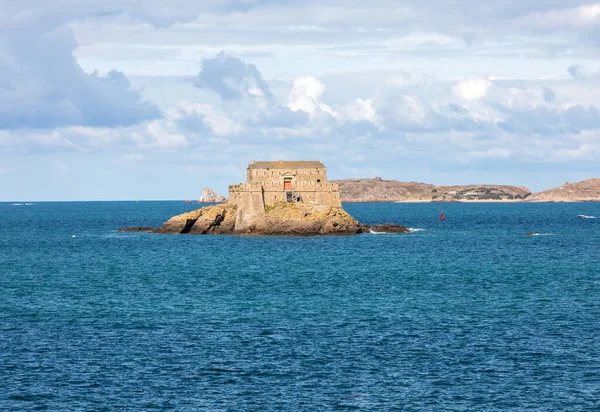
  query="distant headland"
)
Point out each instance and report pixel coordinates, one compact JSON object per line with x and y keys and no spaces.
{"x":584,"y":191}
{"x":381,"y":190}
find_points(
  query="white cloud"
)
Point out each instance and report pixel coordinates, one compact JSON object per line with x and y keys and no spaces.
{"x":360,"y":110}
{"x":472,"y":89}
{"x":306,"y":94}
{"x":574,"y":17}
{"x":411,"y":109}
{"x":584,"y":151}
{"x":164,"y":134}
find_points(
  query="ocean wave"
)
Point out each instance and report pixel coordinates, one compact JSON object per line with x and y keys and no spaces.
{"x":410,"y":229}
{"x":586,"y":217}
{"x":539,"y":234}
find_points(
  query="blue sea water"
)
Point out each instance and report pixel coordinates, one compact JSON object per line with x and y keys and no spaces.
{"x":466,"y":314}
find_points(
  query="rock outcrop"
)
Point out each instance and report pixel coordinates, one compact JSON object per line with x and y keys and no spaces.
{"x":136,"y":229}
{"x":282,"y":219}
{"x":218,"y":219}
{"x":584,"y":191}
{"x":299,"y":219}
{"x":389,"y":228}
{"x":210,"y":196}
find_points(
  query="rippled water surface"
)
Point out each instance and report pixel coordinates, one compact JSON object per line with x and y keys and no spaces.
{"x":466,"y":314}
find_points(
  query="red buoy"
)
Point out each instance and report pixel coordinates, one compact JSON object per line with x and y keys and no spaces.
{"x":442,"y":217}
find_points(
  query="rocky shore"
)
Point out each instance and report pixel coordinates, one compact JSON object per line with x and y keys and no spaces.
{"x":281,"y":219}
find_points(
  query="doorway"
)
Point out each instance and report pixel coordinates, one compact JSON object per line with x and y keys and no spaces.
{"x":287,"y":183}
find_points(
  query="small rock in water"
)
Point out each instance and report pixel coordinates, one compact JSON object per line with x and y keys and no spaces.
{"x":389,"y":228}
{"x":136,"y":229}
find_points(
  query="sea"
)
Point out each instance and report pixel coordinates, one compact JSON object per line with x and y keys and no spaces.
{"x":495,"y":308}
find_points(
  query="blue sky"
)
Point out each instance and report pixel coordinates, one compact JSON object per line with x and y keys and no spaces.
{"x":128,"y":99}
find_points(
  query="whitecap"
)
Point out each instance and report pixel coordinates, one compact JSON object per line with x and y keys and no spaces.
{"x":586,"y":217}
{"x":414,"y":230}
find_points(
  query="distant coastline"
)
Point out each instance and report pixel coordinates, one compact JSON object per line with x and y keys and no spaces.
{"x":378,"y":190}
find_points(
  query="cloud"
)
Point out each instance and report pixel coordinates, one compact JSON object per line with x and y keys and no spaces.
{"x":549,"y":95}
{"x":196,"y":118}
{"x":245,"y":98}
{"x":370,"y":88}
{"x":231,"y":78}
{"x":574,"y":17}
{"x":577,"y":72}
{"x":43,"y":87}
{"x":360,"y":110}
{"x":580,"y":73}
{"x":472,"y":89}
{"x":306,"y":96}
{"x":406,"y":115}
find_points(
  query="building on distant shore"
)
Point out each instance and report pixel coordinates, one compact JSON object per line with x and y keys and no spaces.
{"x":270,"y":182}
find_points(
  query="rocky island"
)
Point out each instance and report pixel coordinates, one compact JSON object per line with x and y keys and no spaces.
{"x":281,"y":198}
{"x":210,"y":196}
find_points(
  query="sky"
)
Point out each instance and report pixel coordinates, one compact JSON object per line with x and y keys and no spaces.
{"x":147,"y":99}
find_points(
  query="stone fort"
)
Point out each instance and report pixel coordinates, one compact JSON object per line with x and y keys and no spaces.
{"x":270,"y":182}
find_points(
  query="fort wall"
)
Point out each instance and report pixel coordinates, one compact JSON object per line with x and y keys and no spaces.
{"x":268,"y":186}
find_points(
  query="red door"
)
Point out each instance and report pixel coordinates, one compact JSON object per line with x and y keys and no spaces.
{"x":287,"y":185}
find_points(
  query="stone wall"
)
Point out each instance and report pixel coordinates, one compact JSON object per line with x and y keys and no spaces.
{"x":300,"y":177}
{"x":321,"y":194}
{"x":250,"y":203}
{"x":246,"y":194}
